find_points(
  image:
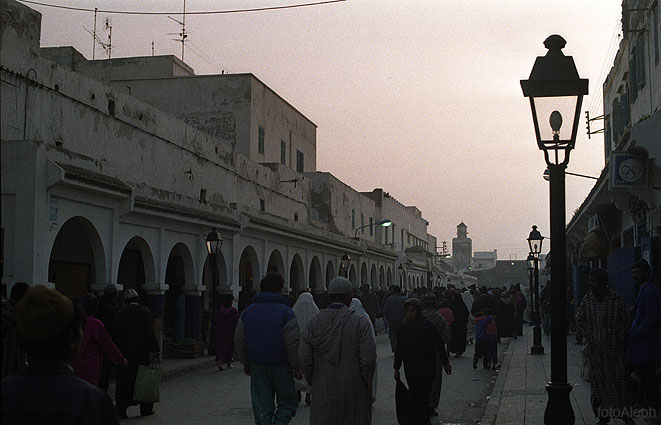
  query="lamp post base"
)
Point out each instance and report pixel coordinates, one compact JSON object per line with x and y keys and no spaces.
{"x":558,"y":408}
{"x":537,"y":347}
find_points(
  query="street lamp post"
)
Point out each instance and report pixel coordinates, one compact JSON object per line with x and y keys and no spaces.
{"x":345,"y":261}
{"x":531,"y":267}
{"x":400,"y":272}
{"x":556,"y":92}
{"x":382,"y":223}
{"x":214,"y":242}
{"x":535,"y":243}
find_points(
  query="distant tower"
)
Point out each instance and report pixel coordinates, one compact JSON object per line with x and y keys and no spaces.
{"x":462,"y":248}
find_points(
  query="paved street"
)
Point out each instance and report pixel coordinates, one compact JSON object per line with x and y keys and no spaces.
{"x":213,"y":397}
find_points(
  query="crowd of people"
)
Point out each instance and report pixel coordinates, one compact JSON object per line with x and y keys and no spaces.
{"x":335,"y":362}
{"x":58,"y":353}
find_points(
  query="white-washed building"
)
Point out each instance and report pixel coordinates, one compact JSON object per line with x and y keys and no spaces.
{"x":107,"y":178}
{"x":620,"y":220}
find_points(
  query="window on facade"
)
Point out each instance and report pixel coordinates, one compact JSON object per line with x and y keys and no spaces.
{"x":260,"y":140}
{"x":640,"y":61}
{"x":203,"y":196}
{"x":371,"y":227}
{"x":295,"y":216}
{"x":353,"y":218}
{"x":300,"y":161}
{"x":633,"y":76}
{"x":262,"y":205}
{"x":283,"y":152}
{"x":637,"y":68}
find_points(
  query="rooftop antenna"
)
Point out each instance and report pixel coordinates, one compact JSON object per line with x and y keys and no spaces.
{"x":94,"y":35}
{"x":108,"y":46}
{"x":183,"y":33}
{"x":152,"y":47}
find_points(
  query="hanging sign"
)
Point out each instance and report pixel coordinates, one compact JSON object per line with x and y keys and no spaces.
{"x":628,"y":171}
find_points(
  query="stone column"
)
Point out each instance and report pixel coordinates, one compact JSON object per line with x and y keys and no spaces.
{"x":155,"y":301}
{"x":193,"y":310}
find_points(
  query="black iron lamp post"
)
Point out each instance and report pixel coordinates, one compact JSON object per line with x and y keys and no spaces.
{"x":345,"y":261}
{"x":535,"y":240}
{"x":214,"y":242}
{"x":400,"y":272}
{"x":382,"y":223}
{"x":531,"y":268}
{"x":556,"y":94}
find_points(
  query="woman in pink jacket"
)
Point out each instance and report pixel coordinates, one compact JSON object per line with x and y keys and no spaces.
{"x":96,"y":343}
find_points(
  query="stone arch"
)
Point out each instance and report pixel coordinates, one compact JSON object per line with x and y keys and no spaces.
{"x":296,"y":275}
{"x":315,"y":277}
{"x":249,"y":275}
{"x":363,"y":273}
{"x":178,"y":274}
{"x":389,"y":277}
{"x":276,"y":263}
{"x":77,"y":258}
{"x":352,"y":274}
{"x":374,"y":283}
{"x":330,"y":273}
{"x":136,"y":265}
{"x":382,"y":278}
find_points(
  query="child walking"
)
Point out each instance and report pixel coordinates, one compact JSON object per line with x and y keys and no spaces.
{"x":486,"y":340}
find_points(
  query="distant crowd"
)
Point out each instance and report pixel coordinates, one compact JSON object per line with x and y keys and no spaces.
{"x":59,"y":354}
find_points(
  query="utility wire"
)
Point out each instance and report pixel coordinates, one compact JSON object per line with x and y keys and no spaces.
{"x":209,"y":12}
{"x":205,"y":57}
{"x":597,"y":101}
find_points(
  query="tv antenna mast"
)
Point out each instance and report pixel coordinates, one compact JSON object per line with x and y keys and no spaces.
{"x":108,"y":46}
{"x":95,"y":37}
{"x":183,"y":34}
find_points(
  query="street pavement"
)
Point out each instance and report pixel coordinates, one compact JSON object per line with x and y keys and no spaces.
{"x":213,"y":397}
{"x":519,"y":396}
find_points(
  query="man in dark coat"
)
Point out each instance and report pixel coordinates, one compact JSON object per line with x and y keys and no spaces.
{"x":134,"y":335}
{"x":459,"y":328}
{"x":50,"y":328}
{"x":644,"y":343}
{"x":430,"y":312}
{"x":504,"y":317}
{"x":393,"y":311}
{"x":418,"y":345}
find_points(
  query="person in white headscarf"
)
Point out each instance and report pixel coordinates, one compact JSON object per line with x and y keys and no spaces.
{"x":357,"y":306}
{"x":304,"y":309}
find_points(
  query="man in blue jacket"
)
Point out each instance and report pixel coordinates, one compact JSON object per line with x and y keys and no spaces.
{"x":266,"y":340}
{"x":644,"y":344}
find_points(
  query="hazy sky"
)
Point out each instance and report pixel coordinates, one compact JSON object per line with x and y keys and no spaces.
{"x":420,"y":98}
